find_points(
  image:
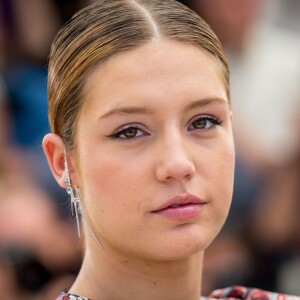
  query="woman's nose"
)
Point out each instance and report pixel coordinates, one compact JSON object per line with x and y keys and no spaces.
{"x":174,"y":162}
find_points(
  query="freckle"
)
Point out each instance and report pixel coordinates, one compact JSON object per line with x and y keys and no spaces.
{"x":126,"y":261}
{"x":154,"y":283}
{"x":102,"y":211}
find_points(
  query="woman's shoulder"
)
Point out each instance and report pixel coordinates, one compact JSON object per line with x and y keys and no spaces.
{"x":229,"y":293}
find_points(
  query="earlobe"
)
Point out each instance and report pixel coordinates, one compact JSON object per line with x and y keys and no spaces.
{"x":53,"y":147}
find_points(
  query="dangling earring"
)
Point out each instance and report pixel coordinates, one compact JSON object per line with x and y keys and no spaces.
{"x":76,"y":209}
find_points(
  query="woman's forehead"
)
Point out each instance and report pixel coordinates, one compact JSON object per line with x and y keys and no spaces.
{"x":157,"y":67}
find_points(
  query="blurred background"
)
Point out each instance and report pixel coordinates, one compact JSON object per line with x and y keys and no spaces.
{"x":260,"y":243}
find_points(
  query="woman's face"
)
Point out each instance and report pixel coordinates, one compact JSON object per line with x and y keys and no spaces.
{"x":155,"y":152}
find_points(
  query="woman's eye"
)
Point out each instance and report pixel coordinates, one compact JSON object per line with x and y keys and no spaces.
{"x":129,"y":132}
{"x":204,"y":122}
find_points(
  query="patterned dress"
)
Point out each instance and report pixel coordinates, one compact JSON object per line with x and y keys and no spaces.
{"x":230,"y":293}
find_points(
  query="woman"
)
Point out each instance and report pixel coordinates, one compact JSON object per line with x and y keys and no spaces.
{"x":142,"y":141}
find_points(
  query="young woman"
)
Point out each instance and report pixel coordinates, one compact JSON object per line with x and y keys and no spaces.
{"x":139,"y":107}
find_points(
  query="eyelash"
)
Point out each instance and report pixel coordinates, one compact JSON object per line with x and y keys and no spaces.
{"x":215,"y":121}
{"x":135,"y":128}
{"x":125,"y":129}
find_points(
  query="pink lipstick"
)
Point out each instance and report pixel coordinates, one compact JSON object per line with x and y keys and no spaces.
{"x":181,"y":207}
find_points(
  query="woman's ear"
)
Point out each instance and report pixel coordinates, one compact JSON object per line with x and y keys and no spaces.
{"x":53,"y":147}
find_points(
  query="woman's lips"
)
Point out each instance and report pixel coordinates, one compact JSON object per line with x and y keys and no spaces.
{"x":181,"y":207}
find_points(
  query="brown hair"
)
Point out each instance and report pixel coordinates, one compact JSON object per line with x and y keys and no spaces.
{"x":106,"y":28}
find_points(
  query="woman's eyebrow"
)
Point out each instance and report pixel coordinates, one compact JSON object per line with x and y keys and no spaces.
{"x":128,"y":110}
{"x":204,"y":102}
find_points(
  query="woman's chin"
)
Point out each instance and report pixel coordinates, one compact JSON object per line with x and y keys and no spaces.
{"x":184,"y":244}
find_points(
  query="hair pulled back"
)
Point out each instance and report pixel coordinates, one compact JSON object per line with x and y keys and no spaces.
{"x":97,"y":32}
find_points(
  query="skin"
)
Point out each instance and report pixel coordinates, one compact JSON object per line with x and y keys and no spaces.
{"x":122,"y":181}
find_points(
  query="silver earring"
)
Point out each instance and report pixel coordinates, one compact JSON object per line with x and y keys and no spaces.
{"x":76,"y":209}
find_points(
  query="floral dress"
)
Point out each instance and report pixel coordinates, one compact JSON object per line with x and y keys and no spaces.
{"x":230,"y":293}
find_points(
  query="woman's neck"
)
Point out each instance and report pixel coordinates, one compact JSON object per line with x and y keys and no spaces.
{"x":106,"y":276}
